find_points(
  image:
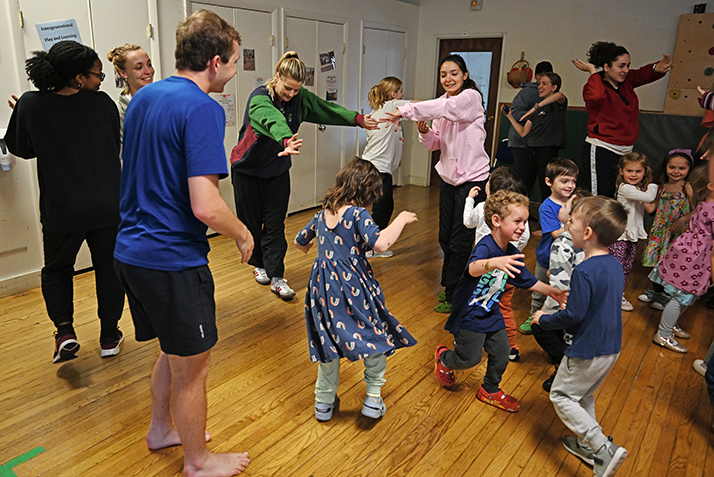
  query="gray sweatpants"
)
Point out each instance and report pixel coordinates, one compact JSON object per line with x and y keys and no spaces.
{"x":469,"y":347}
{"x":537,"y":299}
{"x":572,"y":395}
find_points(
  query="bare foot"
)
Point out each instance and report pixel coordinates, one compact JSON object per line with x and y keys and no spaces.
{"x":218,"y":465}
{"x":156,"y":440}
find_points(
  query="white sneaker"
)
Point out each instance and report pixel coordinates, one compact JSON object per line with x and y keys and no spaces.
{"x":261,"y":276}
{"x":373,"y":254}
{"x":280,"y":287}
{"x":648,"y":295}
{"x":700,"y":366}
{"x":626,"y":305}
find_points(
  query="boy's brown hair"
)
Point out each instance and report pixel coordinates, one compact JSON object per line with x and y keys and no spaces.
{"x":497,"y":204}
{"x":578,"y":195}
{"x":201,"y":37}
{"x":561,"y":167}
{"x":605,"y":216}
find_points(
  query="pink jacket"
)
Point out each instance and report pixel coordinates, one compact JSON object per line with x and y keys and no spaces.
{"x":458,"y":130}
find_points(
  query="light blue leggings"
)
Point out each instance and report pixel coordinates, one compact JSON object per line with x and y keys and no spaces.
{"x":328,"y":377}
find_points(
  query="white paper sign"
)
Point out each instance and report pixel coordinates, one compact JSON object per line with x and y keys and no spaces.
{"x":52,"y":32}
{"x":228,"y":103}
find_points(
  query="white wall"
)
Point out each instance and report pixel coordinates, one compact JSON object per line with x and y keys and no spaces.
{"x":554,"y":30}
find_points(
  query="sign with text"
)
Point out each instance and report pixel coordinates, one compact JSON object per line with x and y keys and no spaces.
{"x":52,"y":32}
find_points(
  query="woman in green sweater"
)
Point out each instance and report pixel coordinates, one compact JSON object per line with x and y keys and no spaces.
{"x":261,"y":161}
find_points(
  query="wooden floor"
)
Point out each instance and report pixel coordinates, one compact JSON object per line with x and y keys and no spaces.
{"x":90,"y":415}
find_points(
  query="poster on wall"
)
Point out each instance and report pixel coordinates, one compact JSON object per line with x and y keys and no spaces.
{"x":327,"y":61}
{"x":228,"y":103}
{"x":248,"y":59}
{"x":331,"y":93}
{"x":309,"y":76}
{"x":52,"y":32}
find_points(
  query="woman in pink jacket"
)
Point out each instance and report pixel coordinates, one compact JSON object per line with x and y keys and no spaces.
{"x":458,"y":130}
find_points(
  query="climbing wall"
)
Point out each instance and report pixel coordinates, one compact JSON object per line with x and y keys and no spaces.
{"x":693,"y":64}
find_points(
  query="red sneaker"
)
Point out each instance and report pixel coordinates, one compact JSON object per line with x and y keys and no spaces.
{"x":498,"y":399}
{"x":444,"y":375}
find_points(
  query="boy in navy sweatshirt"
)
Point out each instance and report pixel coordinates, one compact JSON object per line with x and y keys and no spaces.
{"x":593,"y":317}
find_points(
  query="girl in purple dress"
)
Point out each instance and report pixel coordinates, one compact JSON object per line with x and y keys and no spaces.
{"x":685,"y":271}
{"x":344,"y":306}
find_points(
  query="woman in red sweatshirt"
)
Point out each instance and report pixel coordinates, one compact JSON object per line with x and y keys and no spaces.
{"x":613,"y":109}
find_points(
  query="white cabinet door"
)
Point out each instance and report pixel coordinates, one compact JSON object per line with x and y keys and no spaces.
{"x":314,"y":170}
{"x":255,"y":31}
{"x":301,"y":36}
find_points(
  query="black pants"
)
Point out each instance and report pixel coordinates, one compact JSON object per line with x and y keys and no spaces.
{"x":57,"y":275}
{"x":455,"y":239}
{"x":606,"y":166}
{"x":469,"y":348}
{"x":530,"y":165}
{"x":262,"y":204}
{"x":551,"y":341}
{"x":383,"y":208}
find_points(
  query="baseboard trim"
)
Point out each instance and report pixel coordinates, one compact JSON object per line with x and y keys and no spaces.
{"x":19,"y":284}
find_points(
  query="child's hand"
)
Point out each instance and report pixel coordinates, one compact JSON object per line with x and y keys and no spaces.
{"x":701,"y":91}
{"x":679,"y":225}
{"x":561,"y":296}
{"x":303,"y":248}
{"x":422,"y":127}
{"x":408,"y":217}
{"x":508,"y":264}
{"x":535,"y":318}
{"x":474,"y":192}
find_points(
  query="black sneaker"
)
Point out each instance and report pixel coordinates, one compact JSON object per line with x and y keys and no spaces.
{"x":548,"y":383}
{"x":66,"y":347}
{"x":110,"y":347}
{"x":514,"y":355}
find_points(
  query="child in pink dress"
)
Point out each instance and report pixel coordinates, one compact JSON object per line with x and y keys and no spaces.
{"x":685,"y":271}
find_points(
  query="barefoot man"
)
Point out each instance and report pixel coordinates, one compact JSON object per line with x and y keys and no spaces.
{"x":173,"y":158}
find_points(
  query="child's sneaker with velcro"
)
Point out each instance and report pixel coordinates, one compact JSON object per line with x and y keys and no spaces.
{"x":583,"y":452}
{"x":608,"y":459}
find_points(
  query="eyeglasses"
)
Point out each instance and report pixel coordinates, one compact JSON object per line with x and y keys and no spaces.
{"x":101,"y":76}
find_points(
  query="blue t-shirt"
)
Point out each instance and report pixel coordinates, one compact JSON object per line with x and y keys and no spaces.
{"x":475,"y":303}
{"x":593,"y":315}
{"x":172,"y":131}
{"x":549,"y":222}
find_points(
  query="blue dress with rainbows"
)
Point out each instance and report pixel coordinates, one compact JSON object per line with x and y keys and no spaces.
{"x":345,"y":312}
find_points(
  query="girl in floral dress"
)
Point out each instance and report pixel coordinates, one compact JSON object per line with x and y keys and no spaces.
{"x":673,"y":213}
{"x":344,"y":305}
{"x":685,"y":271}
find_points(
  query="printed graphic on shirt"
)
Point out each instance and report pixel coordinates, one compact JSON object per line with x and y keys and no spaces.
{"x":489,"y":289}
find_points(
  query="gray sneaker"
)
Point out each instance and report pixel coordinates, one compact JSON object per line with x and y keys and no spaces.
{"x":583,"y":453}
{"x":660,"y":301}
{"x":608,"y":459}
{"x":324,"y":410}
{"x":373,"y":407}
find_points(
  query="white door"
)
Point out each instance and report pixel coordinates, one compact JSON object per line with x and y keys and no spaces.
{"x":314,"y":170}
{"x":255,"y":31}
{"x":383,"y":53}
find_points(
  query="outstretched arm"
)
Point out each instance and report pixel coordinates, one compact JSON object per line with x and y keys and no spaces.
{"x":521,"y":130}
{"x":389,"y":235}
{"x":555,"y":97}
{"x":507,"y":263}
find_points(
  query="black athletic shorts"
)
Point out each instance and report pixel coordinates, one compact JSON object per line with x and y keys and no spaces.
{"x":177,"y":307}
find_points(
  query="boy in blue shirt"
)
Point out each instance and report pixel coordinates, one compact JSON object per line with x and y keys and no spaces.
{"x":560,"y":176}
{"x":593,"y":317}
{"x":476,"y":320}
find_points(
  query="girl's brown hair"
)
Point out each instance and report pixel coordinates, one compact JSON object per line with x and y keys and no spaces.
{"x":358,"y":183}
{"x":629,"y":158}
{"x":699,"y":180}
{"x":381,"y":93}
{"x":289,"y":66}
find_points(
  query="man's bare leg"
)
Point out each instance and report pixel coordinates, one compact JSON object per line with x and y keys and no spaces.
{"x":188,"y":403}
{"x":162,"y":432}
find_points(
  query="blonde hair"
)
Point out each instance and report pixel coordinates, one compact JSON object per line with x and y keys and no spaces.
{"x":289,"y":66}
{"x":117,"y":56}
{"x":630,"y":158}
{"x":381,"y":93}
{"x":497,"y":204}
{"x":605,"y":216}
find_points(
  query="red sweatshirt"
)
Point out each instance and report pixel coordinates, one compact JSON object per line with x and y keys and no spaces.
{"x":613,"y":114}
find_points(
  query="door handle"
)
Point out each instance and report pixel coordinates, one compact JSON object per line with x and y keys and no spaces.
{"x":321,"y":127}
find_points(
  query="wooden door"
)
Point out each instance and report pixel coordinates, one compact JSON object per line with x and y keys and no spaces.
{"x":483,"y":59}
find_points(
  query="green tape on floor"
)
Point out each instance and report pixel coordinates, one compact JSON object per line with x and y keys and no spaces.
{"x":6,"y":469}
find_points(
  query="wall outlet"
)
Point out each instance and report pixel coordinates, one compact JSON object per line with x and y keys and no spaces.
{"x":476,"y":4}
